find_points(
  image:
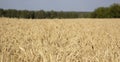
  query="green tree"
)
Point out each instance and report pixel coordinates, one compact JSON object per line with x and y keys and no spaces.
{"x":1,"y":12}
{"x":107,"y":12}
{"x":53,"y":14}
{"x":115,"y":10}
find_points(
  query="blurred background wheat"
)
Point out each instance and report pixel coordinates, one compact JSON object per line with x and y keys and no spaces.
{"x":59,"y":40}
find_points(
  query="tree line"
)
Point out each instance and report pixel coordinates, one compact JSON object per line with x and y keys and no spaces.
{"x":102,"y":12}
{"x":41,"y":14}
{"x":107,"y":12}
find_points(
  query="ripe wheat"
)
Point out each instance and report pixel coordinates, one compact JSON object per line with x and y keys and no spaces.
{"x":59,"y":40}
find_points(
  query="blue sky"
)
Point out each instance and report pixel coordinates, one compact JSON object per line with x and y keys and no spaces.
{"x":57,"y":5}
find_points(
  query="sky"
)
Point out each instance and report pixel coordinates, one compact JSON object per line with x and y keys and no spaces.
{"x":57,"y":5}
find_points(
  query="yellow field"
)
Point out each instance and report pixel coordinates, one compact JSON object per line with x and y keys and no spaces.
{"x":59,"y":40}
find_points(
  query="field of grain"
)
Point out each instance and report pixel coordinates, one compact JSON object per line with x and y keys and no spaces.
{"x":59,"y":40}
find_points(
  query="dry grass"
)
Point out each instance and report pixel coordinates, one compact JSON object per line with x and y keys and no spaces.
{"x":59,"y":40}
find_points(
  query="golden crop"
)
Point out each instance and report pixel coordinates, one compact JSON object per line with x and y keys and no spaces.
{"x":59,"y":40}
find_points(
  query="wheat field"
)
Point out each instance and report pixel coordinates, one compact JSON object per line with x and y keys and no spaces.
{"x":59,"y":40}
